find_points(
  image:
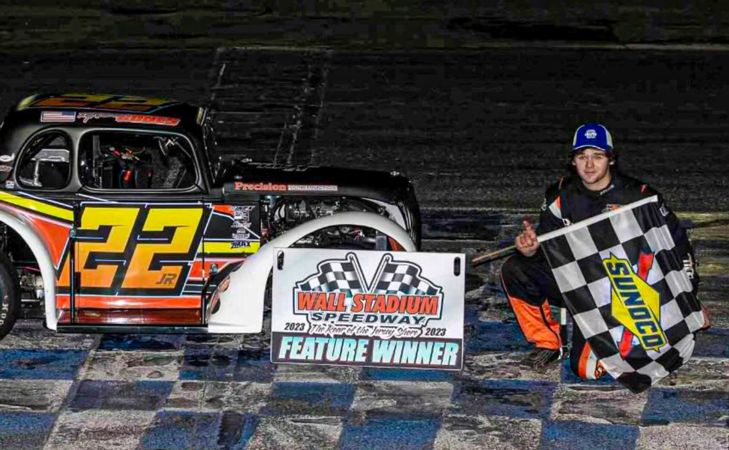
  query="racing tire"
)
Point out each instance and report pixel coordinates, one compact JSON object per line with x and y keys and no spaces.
{"x":9,"y":296}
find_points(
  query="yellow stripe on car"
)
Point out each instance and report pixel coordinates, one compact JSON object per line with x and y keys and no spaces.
{"x":37,"y":206}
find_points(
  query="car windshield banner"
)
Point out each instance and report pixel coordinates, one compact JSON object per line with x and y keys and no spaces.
{"x":368,"y":308}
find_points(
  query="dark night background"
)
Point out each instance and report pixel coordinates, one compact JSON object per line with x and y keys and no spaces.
{"x":476,"y":103}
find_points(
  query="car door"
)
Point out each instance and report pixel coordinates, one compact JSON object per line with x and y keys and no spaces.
{"x":139,"y":220}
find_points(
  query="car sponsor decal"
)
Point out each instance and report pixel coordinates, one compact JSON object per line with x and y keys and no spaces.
{"x":229,"y":247}
{"x":231,"y":231}
{"x":6,"y":158}
{"x":58,"y":116}
{"x":241,"y":186}
{"x":85,"y":117}
{"x":152,"y":120}
{"x":280,"y":187}
{"x":312,"y":187}
{"x":105,"y":102}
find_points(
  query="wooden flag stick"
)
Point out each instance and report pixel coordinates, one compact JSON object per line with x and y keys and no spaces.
{"x":491,"y":256}
{"x":486,"y":257}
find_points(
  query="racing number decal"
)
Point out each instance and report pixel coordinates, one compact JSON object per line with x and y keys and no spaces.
{"x":106,"y":102}
{"x":166,"y":244}
{"x":139,"y":104}
{"x":71,"y":100}
{"x":103,"y":237}
{"x":136,"y":250}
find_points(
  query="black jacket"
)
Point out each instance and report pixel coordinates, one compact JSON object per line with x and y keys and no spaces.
{"x":569,"y":201}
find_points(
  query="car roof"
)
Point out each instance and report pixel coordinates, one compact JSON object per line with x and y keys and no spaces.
{"x":76,"y":110}
{"x":106,"y":105}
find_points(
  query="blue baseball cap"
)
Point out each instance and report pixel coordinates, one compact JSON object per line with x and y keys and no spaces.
{"x":593,"y":135}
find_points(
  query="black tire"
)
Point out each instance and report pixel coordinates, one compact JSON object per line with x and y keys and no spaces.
{"x":9,"y":296}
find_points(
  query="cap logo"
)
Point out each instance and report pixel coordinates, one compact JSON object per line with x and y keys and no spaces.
{"x":591,"y":134}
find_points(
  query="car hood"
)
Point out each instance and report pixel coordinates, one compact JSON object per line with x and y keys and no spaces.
{"x":243,"y":179}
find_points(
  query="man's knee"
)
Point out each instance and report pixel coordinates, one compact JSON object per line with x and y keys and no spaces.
{"x":517,"y":279}
{"x":512,"y":270}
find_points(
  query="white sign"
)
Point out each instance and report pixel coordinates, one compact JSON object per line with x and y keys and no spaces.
{"x":368,"y":308}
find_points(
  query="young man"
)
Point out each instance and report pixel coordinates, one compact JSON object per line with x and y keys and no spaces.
{"x":595,"y":186}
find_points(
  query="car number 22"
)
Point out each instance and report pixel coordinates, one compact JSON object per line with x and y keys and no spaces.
{"x":135,"y":249}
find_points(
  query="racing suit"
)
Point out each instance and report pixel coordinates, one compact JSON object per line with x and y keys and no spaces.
{"x":528,"y":281}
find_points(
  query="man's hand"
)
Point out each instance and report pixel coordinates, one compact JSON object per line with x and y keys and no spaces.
{"x":527,"y":243}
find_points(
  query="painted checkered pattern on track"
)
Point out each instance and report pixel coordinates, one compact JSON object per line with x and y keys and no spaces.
{"x":175,"y":391}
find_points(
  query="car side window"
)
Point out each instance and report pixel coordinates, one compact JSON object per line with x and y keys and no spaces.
{"x":131,"y":160}
{"x":46,"y":162}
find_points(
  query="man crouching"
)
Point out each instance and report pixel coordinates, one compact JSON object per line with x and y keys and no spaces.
{"x":595,"y":186}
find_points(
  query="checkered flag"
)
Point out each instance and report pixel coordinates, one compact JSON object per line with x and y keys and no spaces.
{"x":335,"y":275}
{"x":600,"y":267}
{"x":402,"y":277}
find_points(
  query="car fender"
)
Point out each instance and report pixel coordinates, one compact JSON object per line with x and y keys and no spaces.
{"x":241,"y":304}
{"x":42,"y":257}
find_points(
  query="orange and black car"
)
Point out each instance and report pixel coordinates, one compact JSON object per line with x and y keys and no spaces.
{"x":117,"y":214}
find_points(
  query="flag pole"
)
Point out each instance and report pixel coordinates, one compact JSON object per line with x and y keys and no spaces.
{"x":491,"y":256}
{"x":487,"y":257}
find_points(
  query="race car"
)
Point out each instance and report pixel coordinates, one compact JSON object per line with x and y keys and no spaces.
{"x":118,"y":215}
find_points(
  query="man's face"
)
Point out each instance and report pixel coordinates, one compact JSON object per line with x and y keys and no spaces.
{"x":593,"y":167}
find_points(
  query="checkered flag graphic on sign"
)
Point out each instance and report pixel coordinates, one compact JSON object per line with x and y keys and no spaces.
{"x":402,"y":277}
{"x":335,"y":275}
{"x":581,"y":256}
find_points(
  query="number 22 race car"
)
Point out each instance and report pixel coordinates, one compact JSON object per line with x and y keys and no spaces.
{"x":116,"y":215}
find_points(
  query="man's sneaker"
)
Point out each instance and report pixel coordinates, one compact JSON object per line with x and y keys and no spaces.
{"x":593,"y":368}
{"x":540,"y":358}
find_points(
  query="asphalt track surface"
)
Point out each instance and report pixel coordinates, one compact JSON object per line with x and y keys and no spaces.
{"x":480,"y":133}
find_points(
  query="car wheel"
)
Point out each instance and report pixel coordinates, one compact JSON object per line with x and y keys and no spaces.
{"x":9,"y":296}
